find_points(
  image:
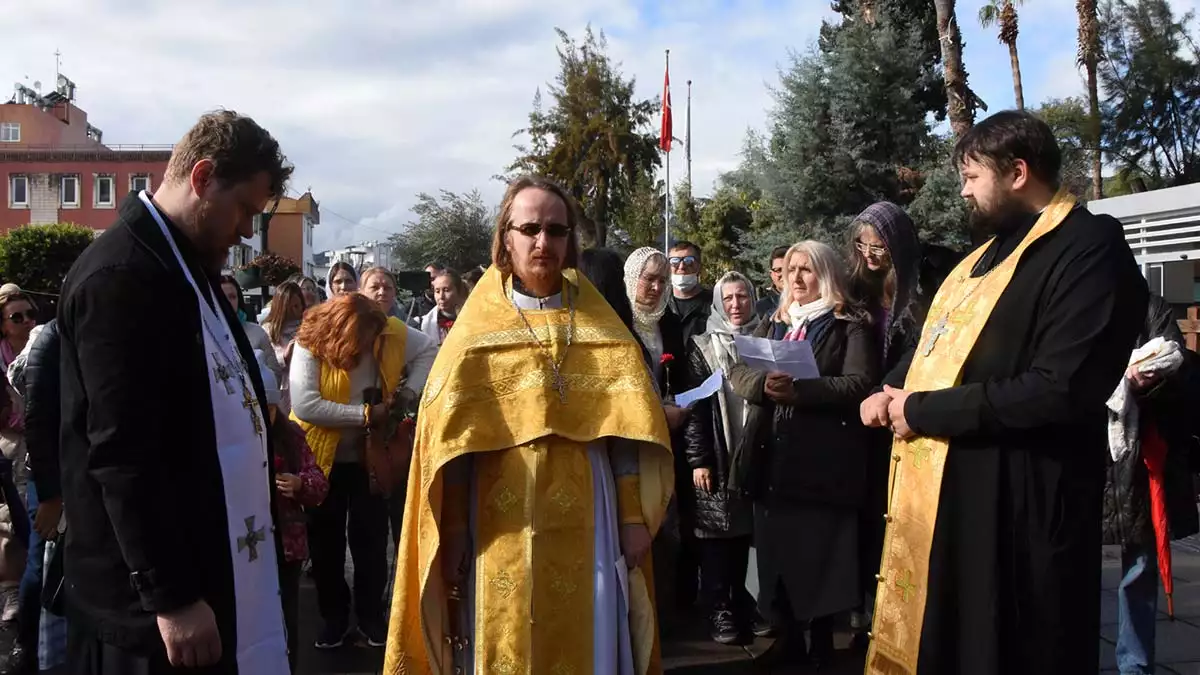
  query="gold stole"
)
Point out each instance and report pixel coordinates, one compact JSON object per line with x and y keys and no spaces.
{"x":959,"y":312}
{"x":490,"y":394}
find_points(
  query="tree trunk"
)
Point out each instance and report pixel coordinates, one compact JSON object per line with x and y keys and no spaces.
{"x":1018,"y":89}
{"x":1089,"y":58}
{"x":1094,"y":123}
{"x":961,"y":109}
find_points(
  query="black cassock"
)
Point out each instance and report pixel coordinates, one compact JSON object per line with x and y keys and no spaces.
{"x":1014,"y":570}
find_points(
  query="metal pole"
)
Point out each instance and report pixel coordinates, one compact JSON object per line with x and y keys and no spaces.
{"x":667,"y":200}
{"x":688,"y":142}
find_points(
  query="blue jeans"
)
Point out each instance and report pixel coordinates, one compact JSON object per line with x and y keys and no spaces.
{"x":30,"y":602}
{"x":1137,"y":609}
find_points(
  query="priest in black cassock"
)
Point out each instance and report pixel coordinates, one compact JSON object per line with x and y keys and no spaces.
{"x":991,"y":562}
{"x":170,"y":558}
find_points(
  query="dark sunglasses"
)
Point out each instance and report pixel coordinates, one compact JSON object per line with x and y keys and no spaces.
{"x":686,"y":260}
{"x":18,"y":317}
{"x":555,"y":230}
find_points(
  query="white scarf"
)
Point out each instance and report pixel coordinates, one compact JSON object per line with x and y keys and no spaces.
{"x":802,"y":315}
{"x":645,"y":322}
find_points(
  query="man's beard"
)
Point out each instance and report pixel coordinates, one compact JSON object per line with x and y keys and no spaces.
{"x":1003,"y":216}
{"x":213,"y":253}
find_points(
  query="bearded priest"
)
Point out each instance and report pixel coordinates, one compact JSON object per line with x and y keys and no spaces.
{"x":991,"y":561}
{"x":541,"y":472}
{"x":170,"y":559}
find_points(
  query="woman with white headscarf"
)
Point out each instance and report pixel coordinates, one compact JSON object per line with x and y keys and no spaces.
{"x":648,"y":285}
{"x":714,"y":441}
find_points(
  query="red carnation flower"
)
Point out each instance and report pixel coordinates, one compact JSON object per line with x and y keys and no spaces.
{"x":666,"y":358}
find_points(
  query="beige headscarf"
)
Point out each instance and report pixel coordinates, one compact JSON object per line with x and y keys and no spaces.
{"x":645,"y":321}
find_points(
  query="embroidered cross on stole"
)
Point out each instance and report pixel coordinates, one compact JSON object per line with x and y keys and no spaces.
{"x":959,"y":312}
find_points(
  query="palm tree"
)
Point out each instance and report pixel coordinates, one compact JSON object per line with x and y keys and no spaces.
{"x":961,"y":100}
{"x":1089,"y":58}
{"x":1004,"y":13}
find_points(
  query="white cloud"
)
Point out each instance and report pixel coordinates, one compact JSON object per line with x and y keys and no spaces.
{"x":376,"y":100}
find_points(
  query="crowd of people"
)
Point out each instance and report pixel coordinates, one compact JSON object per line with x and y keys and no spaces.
{"x":514,"y":434}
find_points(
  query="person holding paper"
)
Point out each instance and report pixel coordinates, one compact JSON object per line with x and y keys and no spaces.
{"x":715,"y":439}
{"x":807,"y":466}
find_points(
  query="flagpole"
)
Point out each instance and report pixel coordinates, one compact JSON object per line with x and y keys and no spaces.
{"x":667,"y":200}
{"x":688,"y":142}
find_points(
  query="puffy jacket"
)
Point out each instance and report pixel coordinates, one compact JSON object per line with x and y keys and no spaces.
{"x":42,"y":412}
{"x":726,"y":510}
{"x":1171,"y":406}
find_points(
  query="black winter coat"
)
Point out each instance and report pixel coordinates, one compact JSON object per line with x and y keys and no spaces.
{"x":814,"y":449}
{"x":43,"y":413}
{"x":1172,"y":407}
{"x":148,"y":532}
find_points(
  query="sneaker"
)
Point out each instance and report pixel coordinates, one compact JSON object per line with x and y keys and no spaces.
{"x":373,"y":632}
{"x":724,"y":627}
{"x":332,"y":636}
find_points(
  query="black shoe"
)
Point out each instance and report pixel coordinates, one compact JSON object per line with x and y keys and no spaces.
{"x":374,"y":632}
{"x":761,"y":627}
{"x":724,"y":629}
{"x":332,"y":635}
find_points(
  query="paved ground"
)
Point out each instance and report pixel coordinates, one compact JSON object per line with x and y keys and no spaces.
{"x":687,"y":651}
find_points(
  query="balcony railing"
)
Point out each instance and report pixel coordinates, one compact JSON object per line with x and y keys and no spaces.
{"x":71,"y":153}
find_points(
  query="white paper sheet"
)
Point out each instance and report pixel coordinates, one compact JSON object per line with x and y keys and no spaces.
{"x":792,"y":357}
{"x":707,"y":388}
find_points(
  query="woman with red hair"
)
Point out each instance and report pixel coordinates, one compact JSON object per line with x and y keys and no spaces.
{"x":348,"y":354}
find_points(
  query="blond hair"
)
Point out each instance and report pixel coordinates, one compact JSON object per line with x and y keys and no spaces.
{"x":832,"y":280}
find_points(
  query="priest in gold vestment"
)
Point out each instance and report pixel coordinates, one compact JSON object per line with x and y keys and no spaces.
{"x":541,"y":472}
{"x":991,"y":561}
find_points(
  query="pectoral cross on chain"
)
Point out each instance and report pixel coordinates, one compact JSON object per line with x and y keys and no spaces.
{"x":224,"y":374}
{"x":250,"y":541}
{"x":250,"y":403}
{"x":936,"y":331}
{"x":560,"y":385}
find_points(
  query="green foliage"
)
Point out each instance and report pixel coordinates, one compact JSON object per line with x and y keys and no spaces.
{"x":38,"y":257}
{"x":273,"y":269}
{"x":718,"y":231}
{"x":453,"y":229}
{"x":917,"y":15}
{"x":595,"y":139}
{"x":640,"y":223}
{"x":939,"y":211}
{"x":1150,"y":73}
{"x":1069,"y":119}
{"x":848,"y":129}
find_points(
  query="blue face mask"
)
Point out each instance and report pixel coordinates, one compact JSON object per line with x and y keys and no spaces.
{"x":241,"y":316}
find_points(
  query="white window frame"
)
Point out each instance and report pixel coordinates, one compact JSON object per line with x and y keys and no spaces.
{"x":62,"y":191}
{"x":133,"y":178}
{"x":112,"y":191}
{"x":10,"y":132}
{"x":12,"y":181}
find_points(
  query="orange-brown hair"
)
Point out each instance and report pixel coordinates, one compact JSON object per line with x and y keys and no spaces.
{"x":500,"y":255}
{"x":334,"y":330}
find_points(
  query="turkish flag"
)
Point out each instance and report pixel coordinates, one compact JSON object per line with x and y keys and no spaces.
{"x":664,"y":139}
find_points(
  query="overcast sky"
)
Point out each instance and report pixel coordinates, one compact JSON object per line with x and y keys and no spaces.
{"x":375,"y":101}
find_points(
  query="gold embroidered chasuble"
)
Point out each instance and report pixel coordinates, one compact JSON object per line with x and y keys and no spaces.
{"x":957,"y":316}
{"x":491,"y":395}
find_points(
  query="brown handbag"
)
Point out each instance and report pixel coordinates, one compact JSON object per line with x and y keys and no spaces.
{"x":390,"y":444}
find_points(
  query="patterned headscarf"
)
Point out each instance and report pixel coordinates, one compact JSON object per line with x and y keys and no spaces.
{"x":643,"y":319}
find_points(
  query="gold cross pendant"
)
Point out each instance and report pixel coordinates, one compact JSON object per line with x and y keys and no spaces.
{"x":250,"y":403}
